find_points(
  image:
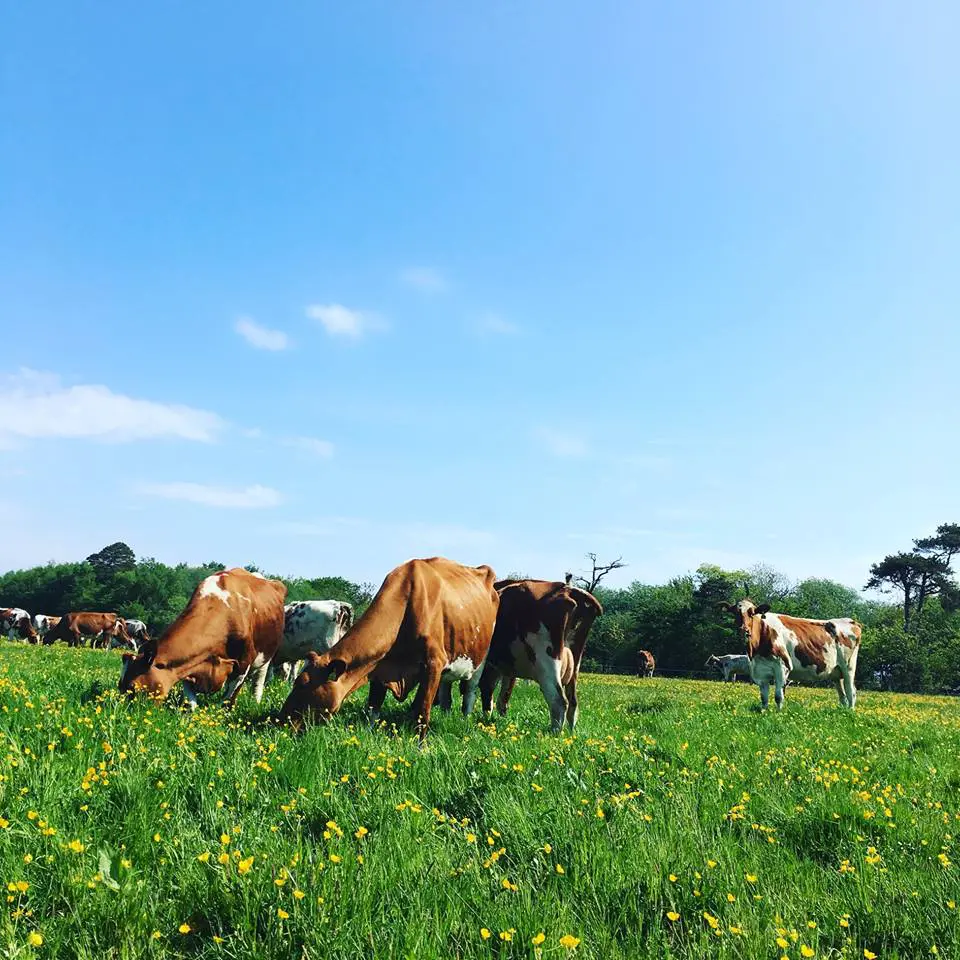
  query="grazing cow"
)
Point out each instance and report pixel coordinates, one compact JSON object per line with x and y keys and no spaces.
{"x":43,"y":623}
{"x":309,"y":625}
{"x":730,"y":664}
{"x":74,"y":628}
{"x":646,"y":664}
{"x":538,"y":621}
{"x":138,"y":633}
{"x":11,"y":620}
{"x":431,"y":620}
{"x":779,"y":646}
{"x":232,"y":625}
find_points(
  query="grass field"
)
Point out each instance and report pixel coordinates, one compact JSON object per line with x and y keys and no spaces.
{"x":677,"y":822}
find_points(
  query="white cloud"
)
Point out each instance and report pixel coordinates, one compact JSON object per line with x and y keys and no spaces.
{"x":340,"y":321}
{"x":561,"y":444}
{"x":424,"y":279}
{"x":209,"y":495}
{"x":37,"y":406}
{"x":494,"y":323}
{"x":319,"y":448}
{"x":263,"y":338}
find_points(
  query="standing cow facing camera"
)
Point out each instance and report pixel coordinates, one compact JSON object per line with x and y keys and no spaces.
{"x":781,"y":647}
{"x":231,"y":627}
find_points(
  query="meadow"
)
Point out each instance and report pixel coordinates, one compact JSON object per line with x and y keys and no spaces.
{"x":677,"y":821}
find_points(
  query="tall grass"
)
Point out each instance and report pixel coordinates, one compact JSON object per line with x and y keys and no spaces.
{"x":678,"y":821}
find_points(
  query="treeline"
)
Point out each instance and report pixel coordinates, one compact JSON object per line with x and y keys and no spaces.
{"x":679,"y":621}
{"x":148,"y":590}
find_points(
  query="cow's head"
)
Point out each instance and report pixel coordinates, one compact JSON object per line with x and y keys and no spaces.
{"x":319,"y":690}
{"x":146,"y":673}
{"x":746,"y":616}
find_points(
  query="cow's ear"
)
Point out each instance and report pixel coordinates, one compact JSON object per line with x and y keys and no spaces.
{"x":336,"y":669}
{"x":762,"y":609}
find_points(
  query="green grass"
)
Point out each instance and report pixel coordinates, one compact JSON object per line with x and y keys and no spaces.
{"x":673,"y":796}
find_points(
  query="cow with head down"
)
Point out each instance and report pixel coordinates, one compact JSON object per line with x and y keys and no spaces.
{"x":231,"y":627}
{"x":780,"y":647}
{"x":430,"y":622}
{"x":17,"y":624}
{"x":76,"y":628}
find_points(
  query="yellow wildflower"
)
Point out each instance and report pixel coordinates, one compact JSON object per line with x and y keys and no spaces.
{"x":568,"y":941}
{"x":35,"y":940}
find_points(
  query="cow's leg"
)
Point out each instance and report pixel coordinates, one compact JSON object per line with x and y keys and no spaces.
{"x":232,"y":687}
{"x":488,"y":683}
{"x":468,"y":690}
{"x":573,"y":710}
{"x":507,"y":683}
{"x":190,"y":696}
{"x":779,"y":682}
{"x":847,"y":690}
{"x":259,"y":680}
{"x":427,"y":693}
{"x":547,"y":669}
{"x":445,"y":696}
{"x":841,"y":695}
{"x":764,"y":694}
{"x":375,"y":698}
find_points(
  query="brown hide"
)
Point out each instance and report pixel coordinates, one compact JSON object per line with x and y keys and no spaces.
{"x":74,"y":628}
{"x":566,"y":612}
{"x":646,"y":663}
{"x":232,"y":617}
{"x":426,"y":614}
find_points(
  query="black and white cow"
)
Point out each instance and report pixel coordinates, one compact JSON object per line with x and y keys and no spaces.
{"x":309,"y":626}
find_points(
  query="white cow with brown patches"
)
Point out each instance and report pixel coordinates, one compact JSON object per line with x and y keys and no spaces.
{"x":780,"y":647}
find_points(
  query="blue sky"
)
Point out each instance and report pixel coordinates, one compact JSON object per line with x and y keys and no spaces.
{"x":326,"y":286}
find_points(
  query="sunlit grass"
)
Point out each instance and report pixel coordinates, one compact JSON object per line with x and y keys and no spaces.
{"x":679,"y":821}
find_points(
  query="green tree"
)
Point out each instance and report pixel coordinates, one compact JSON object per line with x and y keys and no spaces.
{"x":915,"y":576}
{"x":112,"y":559}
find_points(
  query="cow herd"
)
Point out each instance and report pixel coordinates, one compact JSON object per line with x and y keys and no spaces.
{"x":432,"y":623}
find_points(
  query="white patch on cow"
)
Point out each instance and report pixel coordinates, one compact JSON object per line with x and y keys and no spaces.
{"x":260,"y":660}
{"x":211,"y":588}
{"x":190,"y":695}
{"x":463,"y":668}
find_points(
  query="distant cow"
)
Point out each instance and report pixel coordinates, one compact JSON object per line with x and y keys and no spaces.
{"x":309,"y":625}
{"x":646,"y":664}
{"x":12,"y":622}
{"x":730,"y":664}
{"x":232,"y":625}
{"x":138,"y":633}
{"x":75,"y":628}
{"x":430,"y":621}
{"x":541,"y":633}
{"x":779,"y":646}
{"x":43,"y":623}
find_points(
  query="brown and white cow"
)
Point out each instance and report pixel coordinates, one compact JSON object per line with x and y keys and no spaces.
{"x":43,"y":623}
{"x":646,"y":663}
{"x":17,"y":624}
{"x":75,"y":628}
{"x":231,"y":626}
{"x":431,"y":620}
{"x":781,"y":647}
{"x":12,"y":623}
{"x":537,"y":622}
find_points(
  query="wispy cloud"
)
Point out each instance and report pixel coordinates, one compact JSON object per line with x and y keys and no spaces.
{"x":341,"y":321}
{"x":420,"y":538}
{"x":263,"y":338}
{"x":493,"y":323}
{"x":425,"y":279}
{"x":562,"y":443}
{"x":230,"y":498}
{"x":36,"y":405}
{"x":318,"y":448}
